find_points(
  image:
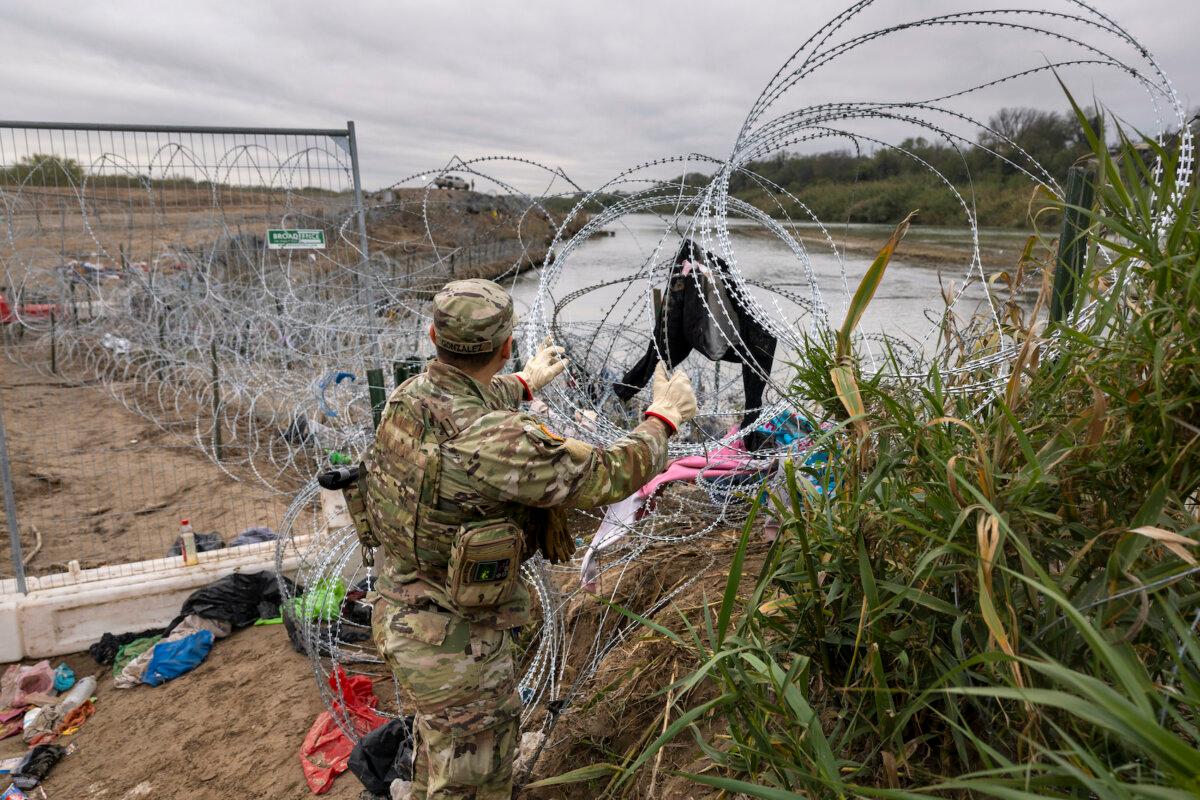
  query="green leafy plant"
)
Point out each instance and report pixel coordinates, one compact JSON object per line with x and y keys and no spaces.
{"x":997,"y":601}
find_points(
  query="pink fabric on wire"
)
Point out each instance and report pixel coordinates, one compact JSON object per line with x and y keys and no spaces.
{"x":731,"y":460}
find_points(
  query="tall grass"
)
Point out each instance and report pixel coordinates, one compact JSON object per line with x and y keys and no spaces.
{"x":994,"y":602}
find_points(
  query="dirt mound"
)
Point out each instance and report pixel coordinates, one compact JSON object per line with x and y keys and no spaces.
{"x":620,"y":708}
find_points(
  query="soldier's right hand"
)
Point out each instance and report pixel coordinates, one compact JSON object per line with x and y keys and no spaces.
{"x":673,"y":400}
{"x":546,"y":365}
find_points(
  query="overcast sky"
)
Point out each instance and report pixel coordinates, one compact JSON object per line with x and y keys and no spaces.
{"x":589,"y":87}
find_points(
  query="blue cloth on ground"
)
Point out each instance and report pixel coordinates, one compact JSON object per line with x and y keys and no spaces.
{"x":172,"y":659}
{"x":64,"y":677}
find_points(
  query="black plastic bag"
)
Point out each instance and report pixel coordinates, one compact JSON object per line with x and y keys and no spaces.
{"x":36,"y":765}
{"x":384,"y":755}
{"x":350,"y":629}
{"x":239,"y":599}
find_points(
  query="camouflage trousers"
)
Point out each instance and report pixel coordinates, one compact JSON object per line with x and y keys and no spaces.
{"x":459,"y":681}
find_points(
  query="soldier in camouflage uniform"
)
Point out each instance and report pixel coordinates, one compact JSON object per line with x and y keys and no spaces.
{"x":461,"y":487}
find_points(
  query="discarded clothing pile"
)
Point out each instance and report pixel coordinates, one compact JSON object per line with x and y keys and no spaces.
{"x":212,"y":612}
{"x":730,"y":466}
{"x":42,"y":703}
{"x":158,"y":659}
{"x":325,"y":753}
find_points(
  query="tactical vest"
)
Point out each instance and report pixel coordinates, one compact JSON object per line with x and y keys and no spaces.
{"x":404,"y":475}
{"x":471,"y":556}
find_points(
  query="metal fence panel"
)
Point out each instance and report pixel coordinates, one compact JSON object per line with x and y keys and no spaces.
{"x":142,"y":381}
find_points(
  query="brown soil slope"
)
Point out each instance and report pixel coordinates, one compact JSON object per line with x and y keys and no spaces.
{"x":103,"y":485}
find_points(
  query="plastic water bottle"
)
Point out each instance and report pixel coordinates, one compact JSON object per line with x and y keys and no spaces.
{"x":187,"y":541}
{"x":80,"y":693}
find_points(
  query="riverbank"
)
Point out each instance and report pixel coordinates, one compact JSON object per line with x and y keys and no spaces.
{"x":923,"y":246}
{"x":443,"y":234}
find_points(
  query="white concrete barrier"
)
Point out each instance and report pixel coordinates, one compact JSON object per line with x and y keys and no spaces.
{"x":65,"y":613}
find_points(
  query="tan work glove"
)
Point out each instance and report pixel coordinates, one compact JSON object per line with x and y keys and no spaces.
{"x":548,"y":531}
{"x":674,"y":400}
{"x":546,"y":365}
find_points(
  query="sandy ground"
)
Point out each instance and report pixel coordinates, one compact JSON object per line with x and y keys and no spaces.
{"x":233,"y":726}
{"x":101,"y":484}
{"x":230,"y":728}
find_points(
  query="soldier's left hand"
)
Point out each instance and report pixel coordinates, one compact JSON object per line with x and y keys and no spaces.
{"x":546,"y":365}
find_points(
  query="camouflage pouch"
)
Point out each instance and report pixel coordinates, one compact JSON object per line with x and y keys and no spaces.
{"x":357,"y":509}
{"x":484,"y":564}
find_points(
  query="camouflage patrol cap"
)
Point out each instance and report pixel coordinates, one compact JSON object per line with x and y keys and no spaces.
{"x":472,"y":316}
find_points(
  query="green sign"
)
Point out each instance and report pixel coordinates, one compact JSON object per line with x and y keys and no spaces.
{"x":295,"y":239}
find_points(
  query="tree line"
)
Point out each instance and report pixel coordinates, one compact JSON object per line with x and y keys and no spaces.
{"x":50,"y":170}
{"x":883,"y":185}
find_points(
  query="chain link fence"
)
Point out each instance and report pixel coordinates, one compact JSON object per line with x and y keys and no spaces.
{"x":140,"y":383}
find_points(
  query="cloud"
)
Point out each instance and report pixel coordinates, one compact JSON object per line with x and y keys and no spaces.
{"x":593,"y":88}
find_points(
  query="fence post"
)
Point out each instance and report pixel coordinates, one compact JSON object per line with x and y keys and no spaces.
{"x":216,"y":399}
{"x":1072,"y":245}
{"x":53,"y":347}
{"x":10,"y":510}
{"x":365,"y":263}
{"x":404,"y":369}
{"x":377,"y":392}
{"x":162,"y":342}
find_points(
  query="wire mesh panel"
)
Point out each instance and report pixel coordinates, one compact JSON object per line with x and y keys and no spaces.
{"x":168,"y":294}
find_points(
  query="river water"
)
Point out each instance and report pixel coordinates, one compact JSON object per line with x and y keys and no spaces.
{"x":909,"y":298}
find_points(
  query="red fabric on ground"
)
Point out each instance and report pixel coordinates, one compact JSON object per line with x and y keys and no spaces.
{"x":326,"y":748}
